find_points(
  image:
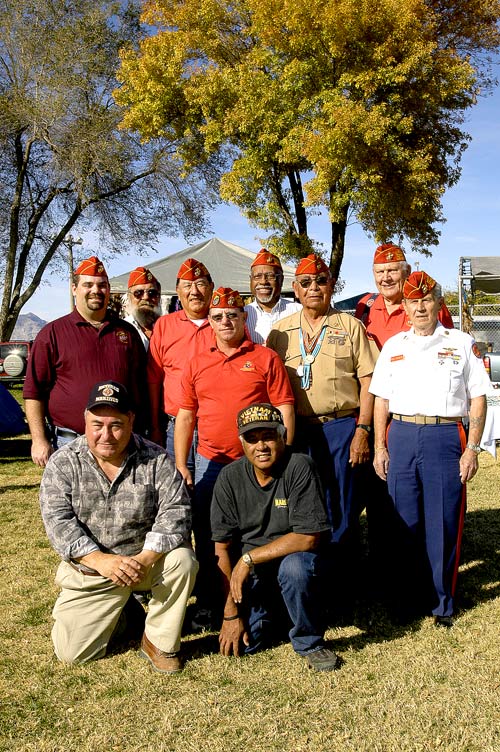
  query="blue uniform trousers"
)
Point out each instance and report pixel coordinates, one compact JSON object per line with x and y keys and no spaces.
{"x":329,"y":445}
{"x":424,"y":483}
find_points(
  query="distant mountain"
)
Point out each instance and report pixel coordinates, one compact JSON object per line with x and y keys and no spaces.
{"x":27,"y":327}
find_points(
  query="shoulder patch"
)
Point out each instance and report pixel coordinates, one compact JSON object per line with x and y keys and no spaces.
{"x":476,"y":350}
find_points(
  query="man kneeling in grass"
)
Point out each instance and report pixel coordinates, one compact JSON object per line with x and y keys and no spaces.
{"x":267,"y":518}
{"x":118,"y":513}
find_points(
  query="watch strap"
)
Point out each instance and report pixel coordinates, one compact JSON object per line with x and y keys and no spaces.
{"x":475,"y":447}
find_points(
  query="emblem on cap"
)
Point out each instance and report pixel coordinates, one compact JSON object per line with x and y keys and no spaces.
{"x":259,"y":415}
{"x":107,"y":390}
{"x":215,"y":300}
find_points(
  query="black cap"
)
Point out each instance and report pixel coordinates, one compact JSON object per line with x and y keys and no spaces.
{"x":110,"y":394}
{"x":259,"y":415}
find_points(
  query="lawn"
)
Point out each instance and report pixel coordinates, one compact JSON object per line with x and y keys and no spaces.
{"x":400,"y":688}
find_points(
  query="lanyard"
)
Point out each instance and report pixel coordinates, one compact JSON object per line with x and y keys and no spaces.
{"x":304,"y":369}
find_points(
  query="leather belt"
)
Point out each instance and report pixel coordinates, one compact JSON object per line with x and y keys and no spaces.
{"x":66,"y":433}
{"x":329,"y":416}
{"x":425,"y":420}
{"x":87,"y":574}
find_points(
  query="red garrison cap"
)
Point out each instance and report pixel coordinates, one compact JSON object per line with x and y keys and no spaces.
{"x":312,"y":264}
{"x":92,"y":267}
{"x":388,"y":252}
{"x":142,"y":276}
{"x":418,"y":285}
{"x":265,"y":258}
{"x":191,"y":270}
{"x":224,"y":297}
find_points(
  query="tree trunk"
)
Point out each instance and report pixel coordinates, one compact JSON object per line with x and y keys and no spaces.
{"x":338,"y":244}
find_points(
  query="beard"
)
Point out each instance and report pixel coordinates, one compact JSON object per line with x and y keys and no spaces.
{"x":264,"y":296}
{"x":146,"y":316}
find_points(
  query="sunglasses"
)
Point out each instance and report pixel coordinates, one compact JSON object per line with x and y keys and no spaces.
{"x":321,"y":280}
{"x":217,"y":317}
{"x":151,"y":294}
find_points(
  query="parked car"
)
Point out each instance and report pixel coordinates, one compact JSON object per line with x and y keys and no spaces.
{"x":13,"y":360}
{"x":491,"y":362}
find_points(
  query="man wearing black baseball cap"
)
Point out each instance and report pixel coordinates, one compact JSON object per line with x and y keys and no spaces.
{"x":267,"y":518}
{"x":118,"y":513}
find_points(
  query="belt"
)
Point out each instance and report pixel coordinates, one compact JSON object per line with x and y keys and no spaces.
{"x":329,"y":416}
{"x":66,"y":433}
{"x":90,"y":573}
{"x":425,"y":420}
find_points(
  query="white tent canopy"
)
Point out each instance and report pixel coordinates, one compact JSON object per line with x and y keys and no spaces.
{"x":227,"y":263}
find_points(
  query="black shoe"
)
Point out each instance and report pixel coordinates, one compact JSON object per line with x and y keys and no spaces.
{"x":202,"y":621}
{"x":323,"y":660}
{"x":444,"y":621}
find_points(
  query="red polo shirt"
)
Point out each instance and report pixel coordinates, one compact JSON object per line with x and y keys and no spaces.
{"x":70,"y":355}
{"x":216,"y":387}
{"x":174,"y":337}
{"x":380,"y":326}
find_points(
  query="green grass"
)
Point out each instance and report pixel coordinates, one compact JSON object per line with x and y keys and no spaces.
{"x":400,"y":689}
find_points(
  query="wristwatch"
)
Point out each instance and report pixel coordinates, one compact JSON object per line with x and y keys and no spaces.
{"x":475,"y":447}
{"x":248,"y":561}
{"x":365,"y":427}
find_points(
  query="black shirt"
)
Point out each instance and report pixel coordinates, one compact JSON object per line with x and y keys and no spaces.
{"x":246,"y":512}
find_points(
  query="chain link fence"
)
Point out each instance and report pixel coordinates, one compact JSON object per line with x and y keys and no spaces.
{"x":482,"y":322}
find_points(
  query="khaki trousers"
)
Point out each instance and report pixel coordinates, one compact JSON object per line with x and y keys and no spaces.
{"x":88,"y":607}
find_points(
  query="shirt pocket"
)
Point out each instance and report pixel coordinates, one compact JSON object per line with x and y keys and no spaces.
{"x":338,"y":359}
{"x":139,"y":504}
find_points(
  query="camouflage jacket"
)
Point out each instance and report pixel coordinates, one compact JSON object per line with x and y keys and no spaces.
{"x":145,"y":506}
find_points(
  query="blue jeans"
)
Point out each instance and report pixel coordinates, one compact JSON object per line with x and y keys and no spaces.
{"x":289,"y":590}
{"x":207,"y":586}
{"x":169,"y":444}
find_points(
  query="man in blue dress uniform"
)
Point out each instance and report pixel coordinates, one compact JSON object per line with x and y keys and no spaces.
{"x":426,"y":382}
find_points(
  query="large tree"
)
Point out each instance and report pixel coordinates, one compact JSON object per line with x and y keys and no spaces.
{"x":351,"y":108}
{"x":64,"y":162}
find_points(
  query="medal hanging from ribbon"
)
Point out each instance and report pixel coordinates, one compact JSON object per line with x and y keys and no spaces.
{"x":309,"y":356}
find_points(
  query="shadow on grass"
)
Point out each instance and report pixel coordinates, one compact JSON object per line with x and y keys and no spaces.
{"x":480,"y":559}
{"x":15,"y":449}
{"x":15,"y":487}
{"x":389,"y":616}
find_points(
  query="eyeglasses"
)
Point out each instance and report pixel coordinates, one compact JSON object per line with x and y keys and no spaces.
{"x":217,"y":317}
{"x":266,"y":277}
{"x":151,"y":294}
{"x":200,"y":284}
{"x":321,"y":280}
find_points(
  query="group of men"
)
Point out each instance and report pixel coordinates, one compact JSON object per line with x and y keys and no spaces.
{"x":267,"y":414}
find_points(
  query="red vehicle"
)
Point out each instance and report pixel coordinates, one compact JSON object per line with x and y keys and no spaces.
{"x":491,"y":362}
{"x":13,"y":360}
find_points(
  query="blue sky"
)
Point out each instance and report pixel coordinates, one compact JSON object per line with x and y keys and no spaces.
{"x":472,"y":209}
